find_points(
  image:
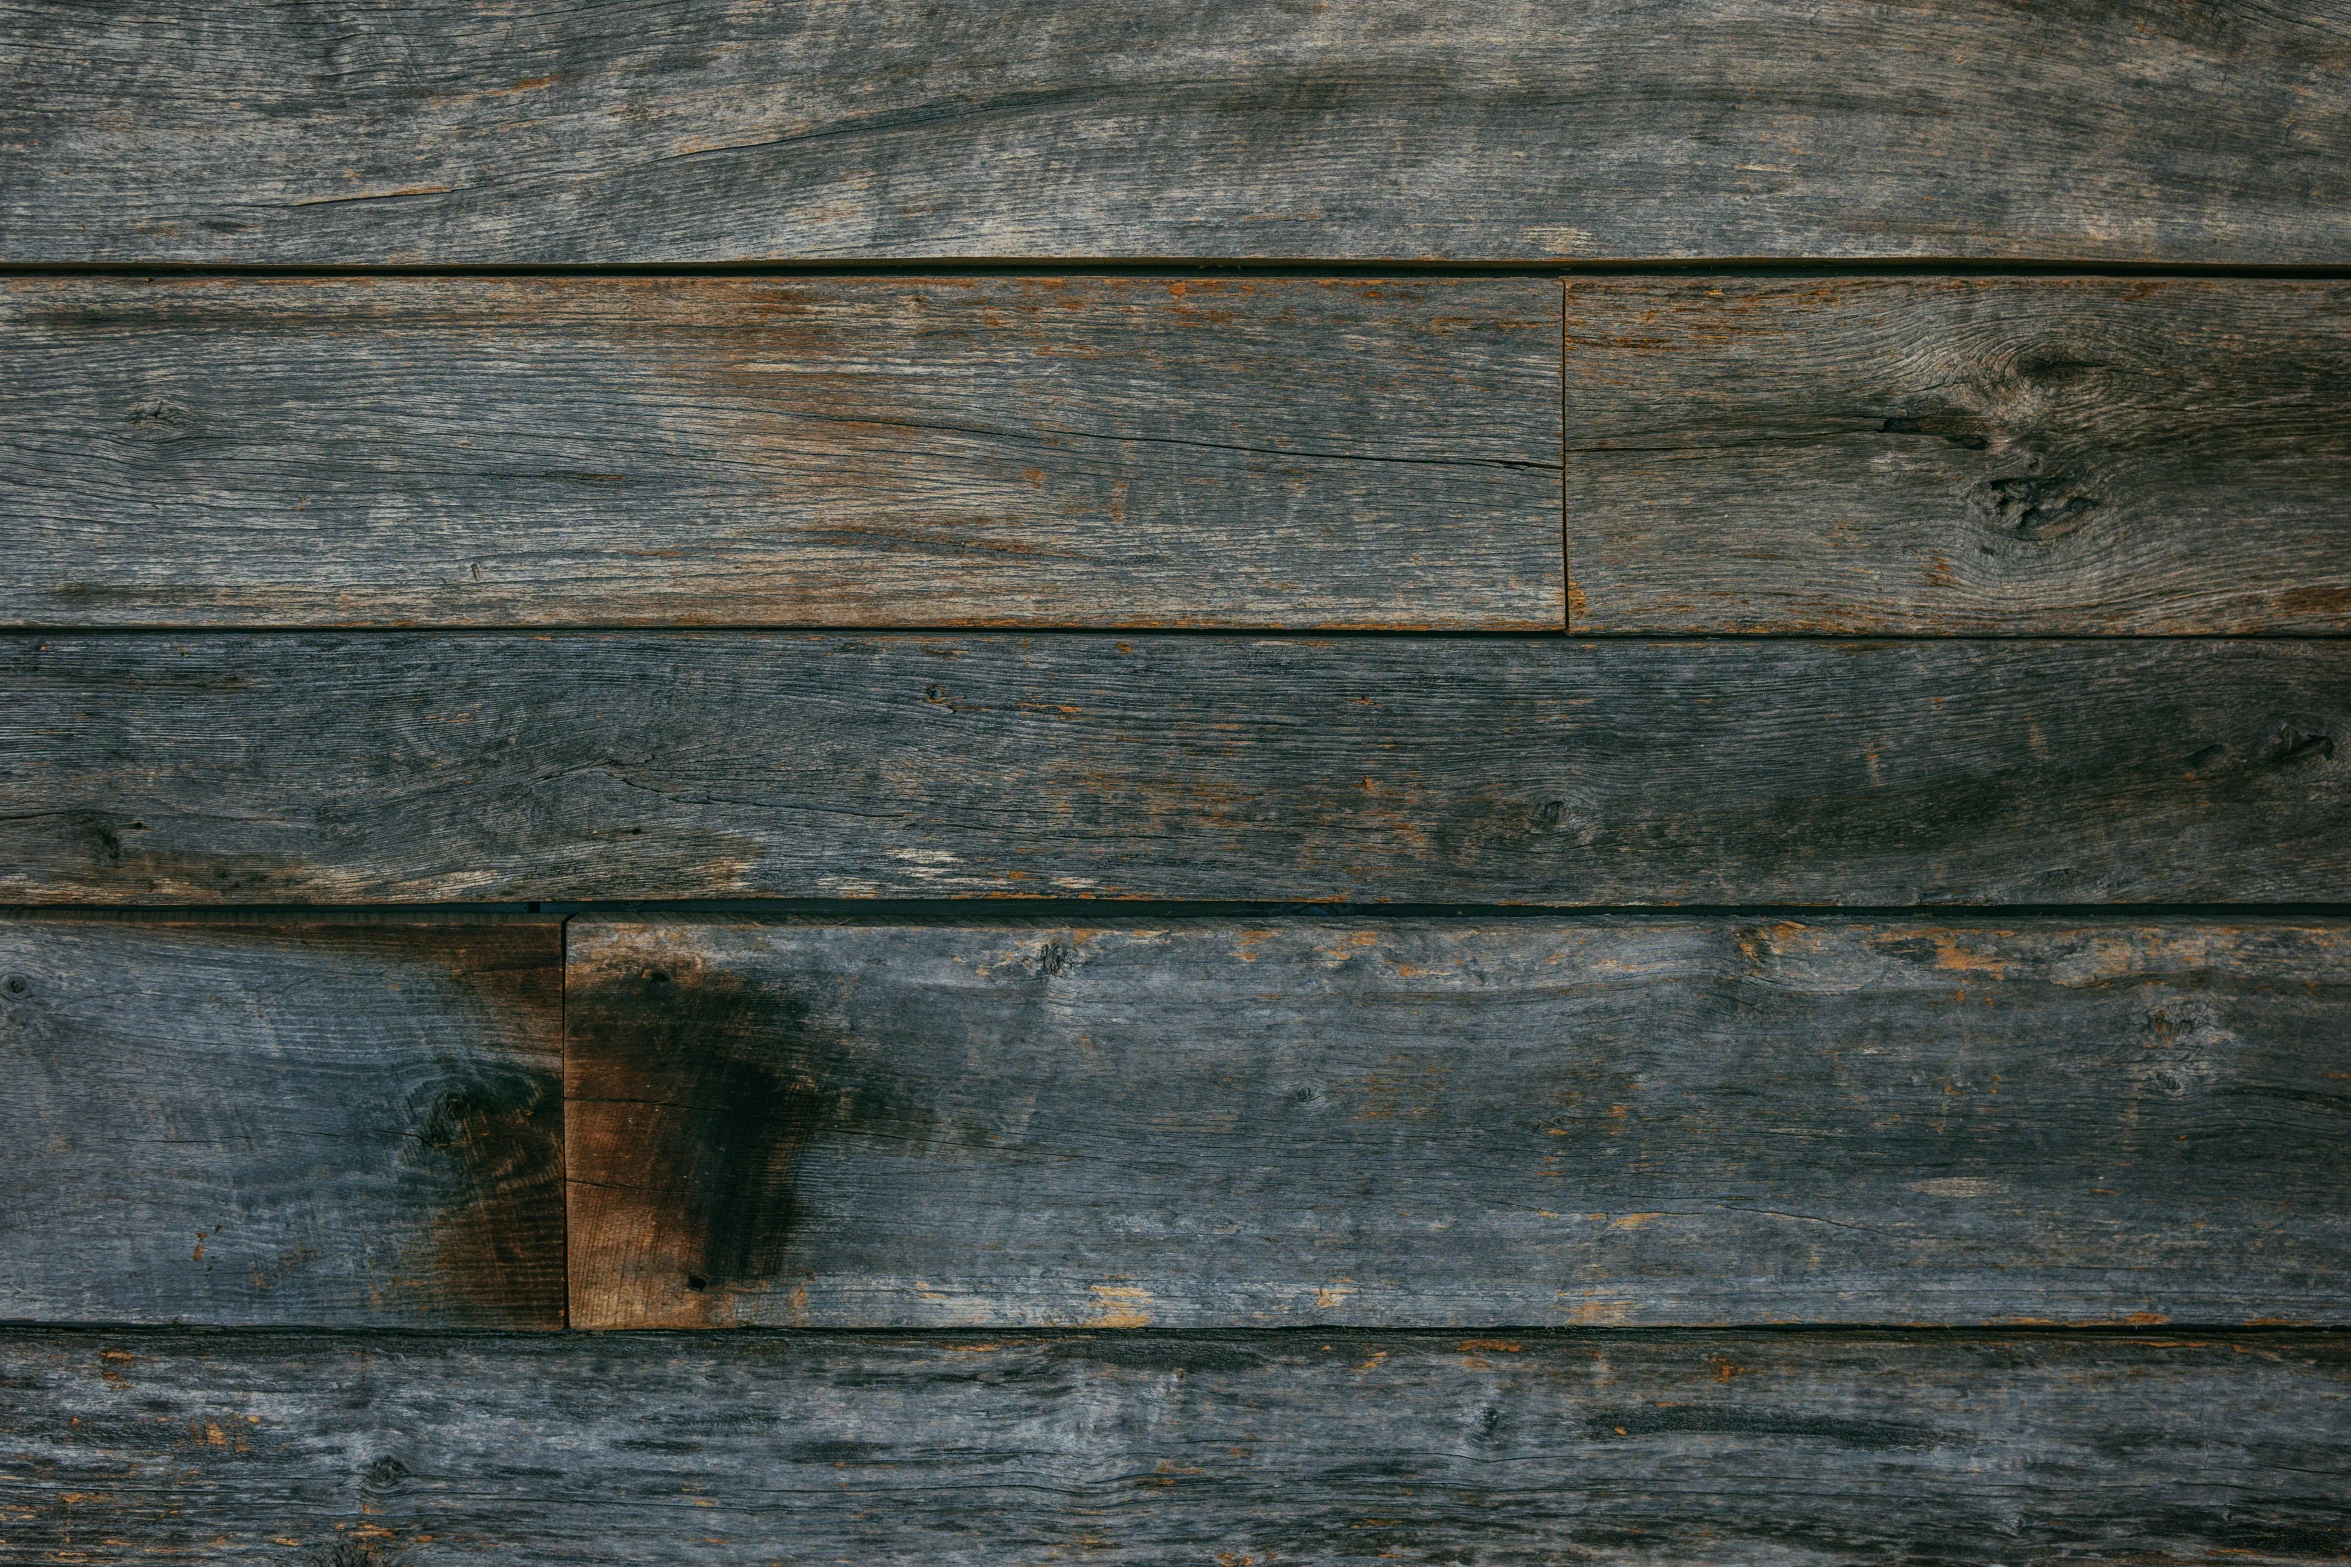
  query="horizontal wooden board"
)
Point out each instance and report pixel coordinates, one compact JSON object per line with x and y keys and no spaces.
{"x":335,"y":1121}
{"x":731,"y":451}
{"x":460,"y":131}
{"x":1937,"y":456}
{"x":399,"y":768}
{"x":1453,"y":1123}
{"x":1795,"y":1450}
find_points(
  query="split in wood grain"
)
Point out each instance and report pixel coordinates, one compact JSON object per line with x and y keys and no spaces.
{"x":1097,"y":452}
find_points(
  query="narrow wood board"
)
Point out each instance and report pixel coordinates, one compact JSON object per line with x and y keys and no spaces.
{"x":732,"y":451}
{"x":1440,"y":1123}
{"x":335,"y":1121}
{"x":1713,"y":1448}
{"x":457,"y":131}
{"x":413,"y":768}
{"x":1938,"y":456}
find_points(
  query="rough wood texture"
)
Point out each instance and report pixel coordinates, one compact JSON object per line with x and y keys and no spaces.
{"x":1936,"y":456}
{"x":337,"y":1121}
{"x":408,"y":768}
{"x":457,"y":131}
{"x":1790,"y":1450}
{"x":1105,"y":452}
{"x":1445,"y":1123}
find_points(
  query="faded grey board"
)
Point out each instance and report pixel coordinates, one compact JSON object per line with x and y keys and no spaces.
{"x":1786,"y":1450}
{"x":458,"y":131}
{"x":336,"y":1121}
{"x":403,"y":768}
{"x":1940,"y":456}
{"x":728,"y":451}
{"x":1445,"y":1123}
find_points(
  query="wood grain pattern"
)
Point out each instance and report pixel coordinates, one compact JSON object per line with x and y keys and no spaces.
{"x":402,"y":768}
{"x":2067,"y":456}
{"x":1630,"y":1448}
{"x":1446,"y":1123}
{"x":1051,"y":451}
{"x":333,"y":1121}
{"x":457,"y":131}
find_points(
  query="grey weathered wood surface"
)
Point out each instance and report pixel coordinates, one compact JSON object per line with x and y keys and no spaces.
{"x":1937,"y":456}
{"x":1792,"y":1450}
{"x":460,"y":132}
{"x":992,"y":451}
{"x":336,"y":1121}
{"x":1447,"y":1123}
{"x":394,"y":767}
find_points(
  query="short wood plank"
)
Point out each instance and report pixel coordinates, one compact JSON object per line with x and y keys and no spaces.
{"x":1631,"y":1448}
{"x":343,"y":1121}
{"x":1449,"y":1123}
{"x":728,"y":451}
{"x":400,"y":768}
{"x":456,"y":131}
{"x":2071,"y":456}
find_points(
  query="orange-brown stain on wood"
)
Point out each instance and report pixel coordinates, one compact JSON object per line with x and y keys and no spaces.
{"x":1120,"y":1306}
{"x":2330,"y":603}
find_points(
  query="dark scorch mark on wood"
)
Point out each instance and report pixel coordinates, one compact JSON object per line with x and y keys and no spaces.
{"x":1009,"y":451}
{"x":699,"y":1094}
{"x":1457,"y":1123}
{"x":412,"y":768}
{"x":1936,"y":457}
{"x":325,"y":1120}
{"x":1790,"y":1449}
{"x":455,"y":131}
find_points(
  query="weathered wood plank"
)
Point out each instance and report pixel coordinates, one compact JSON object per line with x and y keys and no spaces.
{"x":389,"y":767}
{"x":1939,"y":456}
{"x":1792,"y":1449}
{"x":1050,"y":451}
{"x":1450,"y":1123}
{"x":457,"y":131}
{"x":339,"y":1121}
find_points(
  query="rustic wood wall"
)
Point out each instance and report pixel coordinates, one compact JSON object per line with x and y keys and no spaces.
{"x":1552,"y":780}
